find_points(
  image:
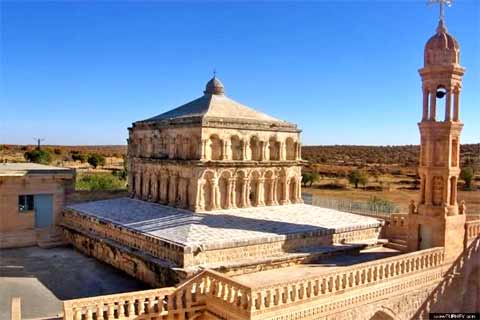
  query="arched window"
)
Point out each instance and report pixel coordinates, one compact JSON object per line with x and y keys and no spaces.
{"x":255,"y":149}
{"x":274,"y":149}
{"x":236,"y":146}
{"x":291,"y":149}
{"x":215,"y":148}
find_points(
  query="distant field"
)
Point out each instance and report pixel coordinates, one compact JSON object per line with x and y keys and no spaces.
{"x":391,"y":170}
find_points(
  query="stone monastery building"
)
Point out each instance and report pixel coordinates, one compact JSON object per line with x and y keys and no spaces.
{"x":216,"y":223}
{"x":215,"y":153}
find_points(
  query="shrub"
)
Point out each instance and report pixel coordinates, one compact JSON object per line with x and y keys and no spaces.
{"x":310,"y":178}
{"x":96,"y":160}
{"x":77,"y":156}
{"x":57,"y":151}
{"x":98,"y":182}
{"x":467,"y":175}
{"x":357,"y":177}
{"x":38,"y":156}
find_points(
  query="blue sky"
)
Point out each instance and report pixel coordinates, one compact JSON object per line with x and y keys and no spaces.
{"x":344,"y":71}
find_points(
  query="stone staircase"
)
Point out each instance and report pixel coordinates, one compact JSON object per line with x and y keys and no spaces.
{"x":397,"y":244}
{"x":50,"y":238}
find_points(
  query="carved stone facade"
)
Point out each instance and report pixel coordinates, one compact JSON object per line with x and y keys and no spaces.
{"x":438,"y":220}
{"x":214,"y":153}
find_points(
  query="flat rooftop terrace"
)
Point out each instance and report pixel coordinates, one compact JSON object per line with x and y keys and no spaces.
{"x":224,"y":228}
{"x":23,"y":168}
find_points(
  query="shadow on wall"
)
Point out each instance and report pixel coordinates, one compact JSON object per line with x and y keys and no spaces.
{"x":460,"y":289}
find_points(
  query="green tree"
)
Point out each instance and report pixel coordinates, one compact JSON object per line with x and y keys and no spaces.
{"x":78,"y":156}
{"x":357,"y":177}
{"x":38,"y":156}
{"x":467,"y":175}
{"x":310,"y":178}
{"x":96,"y":160}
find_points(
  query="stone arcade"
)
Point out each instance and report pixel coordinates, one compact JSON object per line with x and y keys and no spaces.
{"x":214,"y":153}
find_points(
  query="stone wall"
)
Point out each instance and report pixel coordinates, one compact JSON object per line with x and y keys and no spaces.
{"x":18,"y":228}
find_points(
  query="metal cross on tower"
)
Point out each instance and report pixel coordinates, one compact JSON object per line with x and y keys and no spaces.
{"x":442,"y":4}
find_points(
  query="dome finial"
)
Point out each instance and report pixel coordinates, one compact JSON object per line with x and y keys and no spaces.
{"x":214,"y":86}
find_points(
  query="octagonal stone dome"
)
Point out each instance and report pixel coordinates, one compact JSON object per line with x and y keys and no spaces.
{"x":442,"y":48}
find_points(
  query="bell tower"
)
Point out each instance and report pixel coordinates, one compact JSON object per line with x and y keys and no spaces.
{"x":437,"y":221}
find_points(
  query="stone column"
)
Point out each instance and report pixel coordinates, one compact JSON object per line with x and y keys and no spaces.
{"x":244,"y":193}
{"x":286,"y":192}
{"x":138,"y":185}
{"x":448,"y":105}
{"x":282,"y":152}
{"x":299,"y":190}
{"x":200,"y":201}
{"x":245,"y":150}
{"x":261,"y":192}
{"x":425,"y":104}
{"x":146,"y":185}
{"x":274,"y":191}
{"x":265,"y":151}
{"x":233,"y":197}
{"x":172,"y":192}
{"x":433,"y":105}
{"x":224,"y":150}
{"x":456,"y":104}
{"x":204,"y":149}
{"x":181,"y":192}
{"x":154,"y":190}
{"x":216,"y":194}
{"x":228,"y":201}
{"x":299,"y":151}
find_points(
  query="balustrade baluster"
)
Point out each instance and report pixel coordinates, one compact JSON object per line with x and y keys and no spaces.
{"x":170,"y":306}
{"x":99,"y":311}
{"x":131,"y":308}
{"x":337,"y":282}
{"x":309,"y":289}
{"x":110,"y":311}
{"x":330,"y":284}
{"x":316,"y":288}
{"x":78,"y":314}
{"x":141,"y":306}
{"x":268,"y":298}
{"x":121,"y":309}
{"x":276,"y":297}
{"x":229,"y":294}
{"x":301,"y":291}
{"x":179,"y":300}
{"x":151,"y":305}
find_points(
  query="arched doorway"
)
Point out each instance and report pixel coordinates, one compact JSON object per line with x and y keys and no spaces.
{"x":255,"y":149}
{"x":381,"y":315}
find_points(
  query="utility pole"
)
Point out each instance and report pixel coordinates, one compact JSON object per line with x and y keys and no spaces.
{"x":39,"y":140}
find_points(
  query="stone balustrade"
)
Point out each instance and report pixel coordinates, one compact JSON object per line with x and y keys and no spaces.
{"x":217,"y":288}
{"x":212,"y":288}
{"x":360,"y":275}
{"x":157,"y":302}
{"x":472,"y":229}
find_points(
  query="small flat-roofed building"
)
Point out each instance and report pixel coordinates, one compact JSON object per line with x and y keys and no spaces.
{"x":31,"y":200}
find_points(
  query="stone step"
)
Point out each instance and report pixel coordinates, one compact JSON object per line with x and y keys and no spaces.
{"x":400,"y":246}
{"x":300,"y":256}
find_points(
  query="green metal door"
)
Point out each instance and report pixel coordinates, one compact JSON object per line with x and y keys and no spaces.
{"x":43,"y":204}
